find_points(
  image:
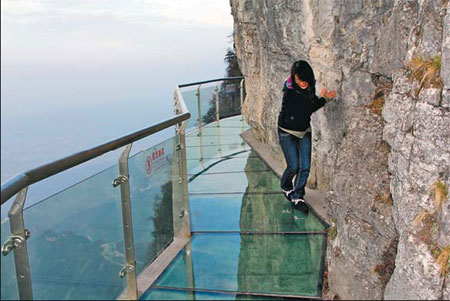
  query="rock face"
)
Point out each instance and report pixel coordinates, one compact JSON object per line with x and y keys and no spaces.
{"x":382,"y":173}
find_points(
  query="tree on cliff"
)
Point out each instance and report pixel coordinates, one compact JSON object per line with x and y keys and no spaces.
{"x":232,"y":67}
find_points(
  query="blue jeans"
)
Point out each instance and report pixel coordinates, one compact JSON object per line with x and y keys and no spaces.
{"x":297,"y":152}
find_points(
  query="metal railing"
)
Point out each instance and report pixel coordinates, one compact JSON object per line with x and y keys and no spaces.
{"x":218,"y":114}
{"x":18,"y":185}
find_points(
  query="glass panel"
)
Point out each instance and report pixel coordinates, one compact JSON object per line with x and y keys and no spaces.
{"x":171,"y":294}
{"x":151,"y":200}
{"x":277,"y":264}
{"x":9,"y":282}
{"x":260,"y":182}
{"x":208,"y":94}
{"x":254,"y":212}
{"x":228,"y":93}
{"x":229,"y":102}
{"x":190,"y":99}
{"x":227,"y":165}
{"x":194,"y":140}
{"x":235,"y":122}
{"x":207,"y":100}
{"x":76,"y":247}
{"x":201,"y":150}
{"x":216,"y":182}
{"x":229,"y":98}
{"x":196,"y":165}
{"x":226,"y":130}
{"x":215,"y":151}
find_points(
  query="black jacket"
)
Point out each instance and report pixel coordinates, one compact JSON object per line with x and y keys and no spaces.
{"x":297,"y":107}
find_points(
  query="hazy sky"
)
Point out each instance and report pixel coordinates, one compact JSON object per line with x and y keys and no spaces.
{"x":76,"y":73}
{"x":52,"y":49}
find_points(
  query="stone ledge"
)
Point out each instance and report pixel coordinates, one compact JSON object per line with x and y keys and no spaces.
{"x":315,"y":198}
{"x":151,"y":273}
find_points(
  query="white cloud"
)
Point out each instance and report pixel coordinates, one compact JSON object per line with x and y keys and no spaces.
{"x":20,"y":7}
{"x":211,"y":12}
{"x":205,"y":12}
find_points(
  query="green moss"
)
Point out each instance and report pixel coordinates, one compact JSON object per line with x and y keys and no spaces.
{"x":435,"y":251}
{"x":436,"y":62}
{"x":332,"y":231}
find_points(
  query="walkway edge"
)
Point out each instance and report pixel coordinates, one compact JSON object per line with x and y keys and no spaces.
{"x":314,"y":198}
{"x":157,"y":267}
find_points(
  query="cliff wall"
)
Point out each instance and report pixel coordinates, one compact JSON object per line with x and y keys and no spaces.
{"x":381,"y":150}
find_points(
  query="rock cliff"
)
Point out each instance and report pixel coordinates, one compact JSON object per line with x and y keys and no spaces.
{"x":381,"y":151}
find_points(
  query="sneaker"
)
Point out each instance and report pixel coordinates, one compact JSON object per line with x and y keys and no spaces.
{"x":299,"y":203}
{"x":288,"y":194}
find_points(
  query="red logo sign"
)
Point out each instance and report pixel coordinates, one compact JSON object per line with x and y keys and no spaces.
{"x":158,"y":153}
{"x":149,"y":165}
{"x":155,"y":162}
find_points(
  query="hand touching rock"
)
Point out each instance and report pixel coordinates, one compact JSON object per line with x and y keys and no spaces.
{"x":327,"y":94}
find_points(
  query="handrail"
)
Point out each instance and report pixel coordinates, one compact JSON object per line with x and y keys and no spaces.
{"x":210,"y":81}
{"x":20,"y":181}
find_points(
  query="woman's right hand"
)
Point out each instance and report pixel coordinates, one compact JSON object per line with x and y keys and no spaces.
{"x":328,"y":95}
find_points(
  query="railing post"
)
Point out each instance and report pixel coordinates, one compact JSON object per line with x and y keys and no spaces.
{"x":199,"y":119}
{"x":18,"y":243}
{"x":130,"y":261}
{"x":181,"y":211}
{"x":217,"y":105}
{"x":184,"y":213}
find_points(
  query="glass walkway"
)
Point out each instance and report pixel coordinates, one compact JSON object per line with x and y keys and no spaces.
{"x":247,"y":241}
{"x":204,"y":197}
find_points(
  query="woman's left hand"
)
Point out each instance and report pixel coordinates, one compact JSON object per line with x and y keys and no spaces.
{"x":328,"y":94}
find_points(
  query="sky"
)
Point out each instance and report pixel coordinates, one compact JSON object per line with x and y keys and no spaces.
{"x":76,"y":73}
{"x":107,"y":47}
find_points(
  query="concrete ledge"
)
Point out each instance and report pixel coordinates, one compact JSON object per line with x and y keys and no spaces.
{"x":314,"y":198}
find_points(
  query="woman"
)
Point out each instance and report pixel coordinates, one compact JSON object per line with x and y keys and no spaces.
{"x":294,"y":129}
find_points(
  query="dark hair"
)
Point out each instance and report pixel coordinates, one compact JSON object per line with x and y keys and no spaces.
{"x":305,"y":73}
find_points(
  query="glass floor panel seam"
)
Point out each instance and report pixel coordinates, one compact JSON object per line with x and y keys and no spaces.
{"x":224,"y":144}
{"x":238,"y":293}
{"x":261,"y":232}
{"x":236,"y":192}
{"x":225,"y":126}
{"x":227,"y":172}
{"x":209,"y":135}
